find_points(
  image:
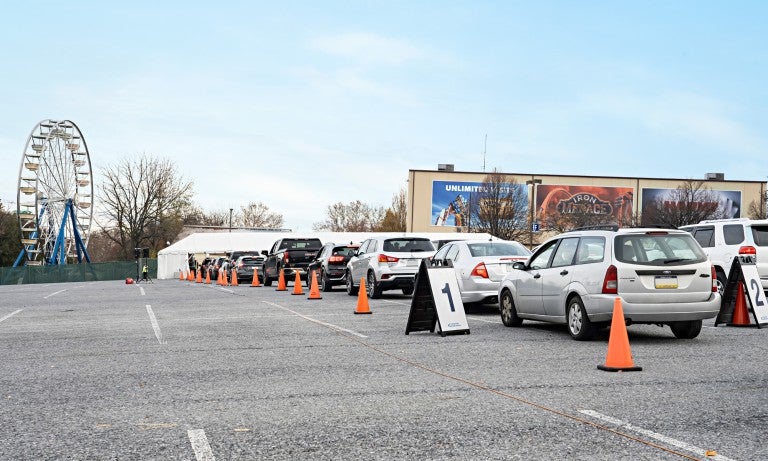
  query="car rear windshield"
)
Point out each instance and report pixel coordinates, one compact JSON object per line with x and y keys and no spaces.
{"x":760,"y":235}
{"x":497,"y":249}
{"x":658,"y":248}
{"x":406,"y":245}
{"x":344,"y":251}
{"x":309,"y":244}
{"x":248,"y":261}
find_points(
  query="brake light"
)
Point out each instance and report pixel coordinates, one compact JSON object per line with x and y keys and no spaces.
{"x":714,"y":279}
{"x":611,"y":281}
{"x":336,"y":259}
{"x":388,"y":259}
{"x":747,"y":250}
{"x":480,"y":271}
{"x":286,"y":258}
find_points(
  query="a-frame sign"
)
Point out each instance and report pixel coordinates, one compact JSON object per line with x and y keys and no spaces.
{"x":743,"y":274}
{"x":437,"y":302}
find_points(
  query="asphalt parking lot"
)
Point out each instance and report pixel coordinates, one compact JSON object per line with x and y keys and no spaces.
{"x":185,"y":371}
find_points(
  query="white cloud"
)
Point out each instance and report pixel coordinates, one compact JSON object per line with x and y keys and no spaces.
{"x":367,"y":48}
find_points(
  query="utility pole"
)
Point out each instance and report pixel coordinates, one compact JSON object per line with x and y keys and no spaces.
{"x":230,"y":219}
{"x":485,"y":145}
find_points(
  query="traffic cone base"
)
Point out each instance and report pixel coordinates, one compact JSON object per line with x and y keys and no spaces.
{"x":619,"y":357}
{"x":362,"y":299}
{"x":297,"y":290}
{"x":740,"y":315}
{"x":281,"y":282}
{"x":234,"y":277}
{"x":255,"y":282}
{"x":314,"y":289}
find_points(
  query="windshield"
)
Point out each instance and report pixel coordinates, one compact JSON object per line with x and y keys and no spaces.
{"x":406,"y":245}
{"x":497,"y":249}
{"x":658,"y":249}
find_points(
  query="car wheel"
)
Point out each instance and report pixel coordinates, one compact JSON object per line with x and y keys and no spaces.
{"x":325,"y":282}
{"x":351,"y":288}
{"x":408,"y":291}
{"x":267,"y":279}
{"x":720,"y":282}
{"x":579,"y":326}
{"x":686,"y":330}
{"x":508,"y":312}
{"x":374,"y":292}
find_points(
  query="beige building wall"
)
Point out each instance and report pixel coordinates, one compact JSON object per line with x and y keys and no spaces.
{"x":421,"y":217}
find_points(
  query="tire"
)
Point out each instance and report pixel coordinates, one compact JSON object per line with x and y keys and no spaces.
{"x":721,"y":281}
{"x":351,"y":288}
{"x":408,"y":291}
{"x":508,"y":312}
{"x":686,"y":330}
{"x":374,"y":292}
{"x":267,"y":282}
{"x":579,"y":326}
{"x":325,"y":282}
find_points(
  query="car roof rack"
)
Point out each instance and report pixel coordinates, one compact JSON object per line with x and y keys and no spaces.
{"x":605,"y":227}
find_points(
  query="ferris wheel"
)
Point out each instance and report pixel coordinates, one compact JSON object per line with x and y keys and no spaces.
{"x":55,"y":195}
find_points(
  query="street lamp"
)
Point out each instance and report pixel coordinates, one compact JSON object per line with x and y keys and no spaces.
{"x":230,"y":219}
{"x":531,"y":182}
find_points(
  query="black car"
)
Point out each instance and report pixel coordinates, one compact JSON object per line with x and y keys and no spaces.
{"x":331,"y":264}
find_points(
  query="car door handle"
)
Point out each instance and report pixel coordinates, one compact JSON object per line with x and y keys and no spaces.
{"x":536,"y":276}
{"x":704,"y":276}
{"x":564,"y":272}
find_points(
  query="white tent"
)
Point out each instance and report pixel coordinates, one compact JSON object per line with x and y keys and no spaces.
{"x":176,"y":257}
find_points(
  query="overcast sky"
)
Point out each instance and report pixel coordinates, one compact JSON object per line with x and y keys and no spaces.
{"x":303,"y":104}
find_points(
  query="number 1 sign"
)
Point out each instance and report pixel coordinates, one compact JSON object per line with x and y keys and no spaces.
{"x":437,"y":300}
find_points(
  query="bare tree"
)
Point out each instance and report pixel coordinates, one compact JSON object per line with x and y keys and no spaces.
{"x":351,"y":217}
{"x":10,"y":237}
{"x":691,"y":202}
{"x":394,"y":216}
{"x":499,"y":207}
{"x":142,"y":202}
{"x":758,"y":210}
{"x":257,"y":214}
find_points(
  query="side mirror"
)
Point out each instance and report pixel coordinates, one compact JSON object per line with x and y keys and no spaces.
{"x":265,"y":252}
{"x":518,"y":265}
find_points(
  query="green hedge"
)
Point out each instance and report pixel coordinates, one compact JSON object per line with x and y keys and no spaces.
{"x":117,"y":270}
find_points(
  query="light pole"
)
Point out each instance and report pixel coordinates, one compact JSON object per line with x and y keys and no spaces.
{"x":230,"y":219}
{"x":531,"y":182}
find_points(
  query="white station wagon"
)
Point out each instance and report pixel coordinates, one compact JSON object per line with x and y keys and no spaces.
{"x":661,"y":276}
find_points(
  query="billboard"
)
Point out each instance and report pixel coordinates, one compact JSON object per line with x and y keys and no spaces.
{"x":728,"y":201}
{"x":614,"y":204}
{"x":450,"y":201}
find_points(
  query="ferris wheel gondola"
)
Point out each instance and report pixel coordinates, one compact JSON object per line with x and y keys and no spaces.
{"x":55,"y":195}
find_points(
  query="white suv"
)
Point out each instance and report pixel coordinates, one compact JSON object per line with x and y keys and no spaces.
{"x":661,"y":276}
{"x":387,"y":263}
{"x":724,"y":239}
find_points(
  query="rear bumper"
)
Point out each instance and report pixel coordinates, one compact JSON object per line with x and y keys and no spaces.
{"x":480,"y":291}
{"x":601,"y":310}
{"x":395,"y":282}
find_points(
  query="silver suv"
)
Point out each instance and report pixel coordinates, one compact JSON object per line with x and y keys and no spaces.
{"x":387,"y":263}
{"x":661,"y":276}
{"x":724,"y":239}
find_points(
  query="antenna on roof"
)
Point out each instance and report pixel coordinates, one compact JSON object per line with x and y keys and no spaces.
{"x":485,"y":144}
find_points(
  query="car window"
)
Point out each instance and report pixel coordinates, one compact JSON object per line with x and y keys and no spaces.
{"x":453,"y":253}
{"x":541,"y":259}
{"x":705,"y":236}
{"x":407,"y":245}
{"x":591,"y":250}
{"x":565,"y":252}
{"x":497,"y":249}
{"x":364,"y":247}
{"x":658,"y":248}
{"x":760,"y":235}
{"x":733,"y":234}
{"x":343,"y":251}
{"x":442,"y":252}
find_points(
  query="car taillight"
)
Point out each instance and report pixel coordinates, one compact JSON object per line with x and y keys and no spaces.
{"x":480,"y":271}
{"x":611,"y":281}
{"x":336,"y":259}
{"x":714,"y":279}
{"x":286,"y":258}
{"x":747,"y":250}
{"x":240,"y":266}
{"x":388,"y":259}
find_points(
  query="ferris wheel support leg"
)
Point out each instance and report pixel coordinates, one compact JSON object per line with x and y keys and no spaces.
{"x":79,"y":245}
{"x":57,"y":258}
{"x":20,"y":257}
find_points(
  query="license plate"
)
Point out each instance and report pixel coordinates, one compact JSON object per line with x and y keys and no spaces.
{"x":665,"y":281}
{"x":411,"y":262}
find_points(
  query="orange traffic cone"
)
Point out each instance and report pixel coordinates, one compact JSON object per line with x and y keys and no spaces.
{"x":181,"y":275}
{"x":740,"y":315}
{"x":190,"y":276}
{"x":199,"y":278}
{"x":255,"y":282}
{"x":224,"y":280}
{"x":281,"y":282}
{"x":207,"y":277}
{"x":619,"y":356}
{"x":297,"y":290}
{"x":234,"y":278}
{"x":314,"y":289}
{"x":362,"y":299}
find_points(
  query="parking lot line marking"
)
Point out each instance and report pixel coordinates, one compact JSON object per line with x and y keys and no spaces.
{"x":10,"y":315}
{"x":155,"y":326}
{"x":319,"y":322}
{"x":54,"y":293}
{"x":482,"y":320}
{"x":660,"y":437}
{"x":200,"y":445}
{"x":141,"y":289}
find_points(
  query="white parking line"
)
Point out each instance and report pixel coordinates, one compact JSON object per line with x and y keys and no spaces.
{"x":155,"y":326}
{"x":10,"y":315}
{"x":55,"y":293}
{"x":482,"y":320}
{"x":329,"y":325}
{"x":661,"y":438}
{"x":200,"y":445}
{"x":141,"y":289}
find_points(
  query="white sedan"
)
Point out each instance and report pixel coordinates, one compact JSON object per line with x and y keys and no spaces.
{"x":480,"y":265}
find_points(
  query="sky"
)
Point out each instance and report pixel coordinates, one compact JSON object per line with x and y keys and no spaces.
{"x":303,"y":104}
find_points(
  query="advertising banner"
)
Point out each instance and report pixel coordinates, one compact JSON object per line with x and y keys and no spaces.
{"x":612,"y":203}
{"x":728,"y":201}
{"x":450,"y":201}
